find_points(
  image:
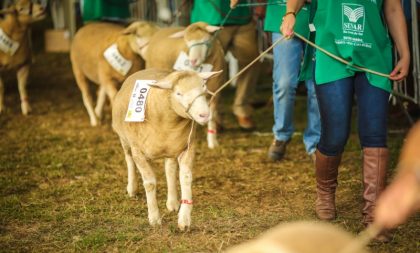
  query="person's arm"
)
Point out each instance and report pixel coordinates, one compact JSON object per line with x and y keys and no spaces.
{"x":402,"y":197}
{"x":289,"y":19}
{"x":233,"y":3}
{"x":395,"y":19}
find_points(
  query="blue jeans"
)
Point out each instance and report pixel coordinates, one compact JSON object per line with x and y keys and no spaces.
{"x":287,"y":62}
{"x":335,"y":104}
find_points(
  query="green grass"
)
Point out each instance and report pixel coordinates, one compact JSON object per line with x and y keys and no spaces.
{"x":62,"y":182}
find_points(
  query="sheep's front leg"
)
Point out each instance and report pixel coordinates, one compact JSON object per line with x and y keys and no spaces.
{"x":22,"y":78}
{"x":212,"y":125}
{"x":149,"y":183}
{"x":171,"y":166}
{"x":1,"y":95}
{"x":186,"y":161}
{"x":132,"y":185}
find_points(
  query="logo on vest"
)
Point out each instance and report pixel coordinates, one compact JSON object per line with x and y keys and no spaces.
{"x":353,"y":18}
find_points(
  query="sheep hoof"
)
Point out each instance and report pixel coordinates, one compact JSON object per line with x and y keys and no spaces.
{"x":2,"y":109}
{"x":172,"y":205}
{"x":26,"y":108}
{"x":132,"y":190}
{"x":94,"y":122}
{"x":213,"y":144}
{"x":98,"y":113}
{"x":184,"y":225}
{"x":155,"y":220}
{"x":184,"y":217}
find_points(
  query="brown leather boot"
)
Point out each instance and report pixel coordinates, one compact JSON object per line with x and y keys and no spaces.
{"x":375,"y":163}
{"x":326,"y":172}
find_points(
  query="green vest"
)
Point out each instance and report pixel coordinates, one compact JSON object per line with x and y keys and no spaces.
{"x":355,"y":31}
{"x":275,"y":12}
{"x":214,"y":11}
{"x":98,"y":9}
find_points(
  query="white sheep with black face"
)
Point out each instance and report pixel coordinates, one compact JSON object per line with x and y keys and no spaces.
{"x":175,"y":100}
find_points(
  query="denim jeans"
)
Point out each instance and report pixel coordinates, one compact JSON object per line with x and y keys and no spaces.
{"x":335,"y":105}
{"x":287,"y":62}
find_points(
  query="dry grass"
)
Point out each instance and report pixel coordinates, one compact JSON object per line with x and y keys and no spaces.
{"x":62,"y":182}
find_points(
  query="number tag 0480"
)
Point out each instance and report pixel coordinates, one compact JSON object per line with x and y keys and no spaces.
{"x":137,"y":105}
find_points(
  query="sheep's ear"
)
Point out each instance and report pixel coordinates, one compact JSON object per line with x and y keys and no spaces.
{"x":141,"y":42}
{"x":177,"y":35}
{"x":131,"y":29}
{"x":208,"y":75}
{"x":165,"y":83}
{"x":212,"y":28}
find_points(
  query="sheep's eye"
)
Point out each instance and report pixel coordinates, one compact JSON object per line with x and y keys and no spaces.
{"x":179,"y":94}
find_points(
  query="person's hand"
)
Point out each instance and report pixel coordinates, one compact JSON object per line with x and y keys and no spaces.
{"x":288,"y":25}
{"x":233,"y":3}
{"x":398,"y":201}
{"x":400,"y":70}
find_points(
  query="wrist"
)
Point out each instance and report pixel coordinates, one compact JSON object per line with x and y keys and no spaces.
{"x":291,"y":13}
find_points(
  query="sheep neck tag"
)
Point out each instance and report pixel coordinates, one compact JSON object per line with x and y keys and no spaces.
{"x":183,"y":63}
{"x":7,"y":45}
{"x":116,"y":60}
{"x":137,"y":104}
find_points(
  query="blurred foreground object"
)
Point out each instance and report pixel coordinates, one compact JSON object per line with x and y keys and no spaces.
{"x":402,"y":197}
{"x":299,"y":237}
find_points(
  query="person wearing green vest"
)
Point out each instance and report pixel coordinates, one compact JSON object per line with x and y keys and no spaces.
{"x":239,"y":36}
{"x":287,"y":64}
{"x":355,"y":31}
{"x":95,"y":10}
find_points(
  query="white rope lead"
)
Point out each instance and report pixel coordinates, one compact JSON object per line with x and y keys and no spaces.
{"x":340,"y":59}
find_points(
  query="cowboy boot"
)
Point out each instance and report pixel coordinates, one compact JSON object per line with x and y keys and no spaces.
{"x":326,"y":172}
{"x":375,"y":163}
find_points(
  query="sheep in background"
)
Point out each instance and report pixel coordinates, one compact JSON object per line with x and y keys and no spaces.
{"x":203,"y":50}
{"x":15,"y":49}
{"x":167,"y":132}
{"x":106,"y":54}
{"x":300,"y":237}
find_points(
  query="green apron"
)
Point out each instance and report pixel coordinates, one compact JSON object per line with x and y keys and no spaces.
{"x":355,"y":31}
{"x":214,"y":11}
{"x":273,"y":18}
{"x":98,"y":9}
{"x":275,"y":12}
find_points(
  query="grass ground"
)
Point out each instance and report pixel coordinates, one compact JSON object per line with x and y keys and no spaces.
{"x":62,"y":182}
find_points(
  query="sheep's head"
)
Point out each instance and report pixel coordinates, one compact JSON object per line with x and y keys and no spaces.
{"x":139,"y":33}
{"x":198,"y":37}
{"x":189,"y":93}
{"x":28,"y":11}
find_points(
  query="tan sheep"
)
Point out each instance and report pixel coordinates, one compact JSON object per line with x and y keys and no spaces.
{"x":15,"y":50}
{"x":300,"y":237}
{"x":124,"y":49}
{"x":173,"y":103}
{"x":202,"y":48}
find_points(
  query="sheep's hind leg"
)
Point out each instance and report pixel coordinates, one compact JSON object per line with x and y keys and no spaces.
{"x":100,"y":102}
{"x":171,"y":166}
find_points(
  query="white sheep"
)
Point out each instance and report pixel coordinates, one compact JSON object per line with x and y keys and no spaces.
{"x":106,"y":54}
{"x":202,"y":48}
{"x":175,"y":100}
{"x":15,"y":49}
{"x":301,"y":237}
